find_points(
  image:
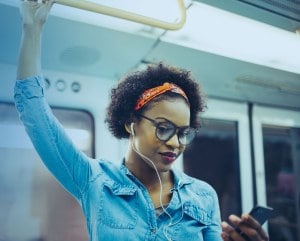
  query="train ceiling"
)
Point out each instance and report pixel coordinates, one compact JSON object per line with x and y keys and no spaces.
{"x":108,"y":48}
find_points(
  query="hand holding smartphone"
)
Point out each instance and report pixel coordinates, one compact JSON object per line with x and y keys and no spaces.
{"x":261,"y":214}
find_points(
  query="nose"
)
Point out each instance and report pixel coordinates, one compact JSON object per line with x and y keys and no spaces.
{"x":173,"y":141}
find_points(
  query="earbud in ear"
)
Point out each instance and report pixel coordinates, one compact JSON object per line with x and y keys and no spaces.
{"x":131,"y":128}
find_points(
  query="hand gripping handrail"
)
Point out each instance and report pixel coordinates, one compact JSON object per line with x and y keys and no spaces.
{"x":97,"y":8}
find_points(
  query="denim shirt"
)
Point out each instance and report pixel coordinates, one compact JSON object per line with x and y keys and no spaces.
{"x":116,"y":205}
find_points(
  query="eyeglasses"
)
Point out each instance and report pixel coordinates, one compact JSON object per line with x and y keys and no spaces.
{"x":165,"y":130}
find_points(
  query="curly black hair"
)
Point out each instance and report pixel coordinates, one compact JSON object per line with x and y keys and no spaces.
{"x":127,"y":92}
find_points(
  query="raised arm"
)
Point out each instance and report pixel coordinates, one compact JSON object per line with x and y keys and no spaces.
{"x":67,"y":163}
{"x":34,"y":15}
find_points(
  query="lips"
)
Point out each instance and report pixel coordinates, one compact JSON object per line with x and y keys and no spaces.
{"x":169,"y":156}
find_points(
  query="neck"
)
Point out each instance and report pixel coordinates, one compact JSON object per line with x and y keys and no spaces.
{"x":145,"y":171}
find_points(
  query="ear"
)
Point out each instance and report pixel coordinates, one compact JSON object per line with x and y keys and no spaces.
{"x":130,"y":128}
{"x":127,"y":128}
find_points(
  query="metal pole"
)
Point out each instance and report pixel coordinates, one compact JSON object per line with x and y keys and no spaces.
{"x":97,"y":8}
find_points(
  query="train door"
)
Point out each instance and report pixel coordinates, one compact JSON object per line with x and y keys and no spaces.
{"x":33,"y":206}
{"x":220,"y":155}
{"x":277,"y":162}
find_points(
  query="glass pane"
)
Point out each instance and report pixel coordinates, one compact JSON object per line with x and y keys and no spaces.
{"x":282,"y":155}
{"x":33,"y":206}
{"x":213,"y":157}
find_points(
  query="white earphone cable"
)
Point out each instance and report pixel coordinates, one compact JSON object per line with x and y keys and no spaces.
{"x":159,"y":179}
{"x":145,"y":158}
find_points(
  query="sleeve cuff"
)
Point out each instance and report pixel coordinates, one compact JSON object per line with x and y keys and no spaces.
{"x":30,"y":87}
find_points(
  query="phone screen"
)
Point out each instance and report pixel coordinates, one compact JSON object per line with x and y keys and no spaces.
{"x":261,"y":214}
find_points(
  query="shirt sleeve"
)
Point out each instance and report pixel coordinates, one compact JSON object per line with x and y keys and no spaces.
{"x":213,"y":231}
{"x":69,"y":165}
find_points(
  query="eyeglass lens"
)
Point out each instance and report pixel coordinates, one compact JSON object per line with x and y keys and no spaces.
{"x":165,"y":131}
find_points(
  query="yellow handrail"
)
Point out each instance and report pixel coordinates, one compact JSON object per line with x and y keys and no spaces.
{"x":97,"y":8}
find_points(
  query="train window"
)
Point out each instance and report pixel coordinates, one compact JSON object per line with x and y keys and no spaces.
{"x":281,"y":162}
{"x":214,"y":157}
{"x":277,"y":151}
{"x":33,"y":206}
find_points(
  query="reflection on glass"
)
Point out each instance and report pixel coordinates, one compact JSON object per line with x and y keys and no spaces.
{"x":213,"y":157}
{"x":282,"y":156}
{"x":33,"y":206}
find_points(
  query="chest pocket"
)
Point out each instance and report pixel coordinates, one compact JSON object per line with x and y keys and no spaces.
{"x":118,"y":206}
{"x":194,"y":221}
{"x":198,"y":214}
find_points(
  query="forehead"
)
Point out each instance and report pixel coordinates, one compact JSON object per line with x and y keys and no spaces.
{"x":173,"y":109}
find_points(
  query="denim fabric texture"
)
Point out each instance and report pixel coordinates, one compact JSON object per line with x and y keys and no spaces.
{"x":116,"y":205}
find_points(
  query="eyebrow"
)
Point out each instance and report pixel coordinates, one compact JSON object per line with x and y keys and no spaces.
{"x":166,"y":120}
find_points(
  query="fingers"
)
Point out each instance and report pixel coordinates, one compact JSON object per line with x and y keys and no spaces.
{"x":247,"y":229}
{"x":229,"y":233}
{"x":47,"y":4}
{"x":40,"y":1}
{"x":35,"y":12}
{"x":242,"y":234}
{"x":43,"y":1}
{"x":34,"y":1}
{"x":251,"y":222}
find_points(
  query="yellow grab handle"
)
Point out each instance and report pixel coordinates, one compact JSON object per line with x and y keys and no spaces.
{"x":97,"y":8}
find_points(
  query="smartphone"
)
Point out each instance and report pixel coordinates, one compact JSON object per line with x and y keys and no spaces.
{"x":261,"y":213}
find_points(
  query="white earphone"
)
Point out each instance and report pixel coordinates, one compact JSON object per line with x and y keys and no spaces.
{"x":131,"y":128}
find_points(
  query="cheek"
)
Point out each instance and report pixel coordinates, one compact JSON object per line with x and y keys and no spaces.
{"x":149,"y":144}
{"x":181,"y":150}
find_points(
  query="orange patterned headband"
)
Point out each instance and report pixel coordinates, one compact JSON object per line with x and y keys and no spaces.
{"x":151,"y":93}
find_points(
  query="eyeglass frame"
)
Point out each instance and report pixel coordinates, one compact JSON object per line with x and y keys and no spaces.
{"x":178,"y":129}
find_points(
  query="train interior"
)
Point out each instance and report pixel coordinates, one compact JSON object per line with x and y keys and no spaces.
{"x":246,"y":56}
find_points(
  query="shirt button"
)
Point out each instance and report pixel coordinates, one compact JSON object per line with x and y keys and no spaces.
{"x":153,"y":230}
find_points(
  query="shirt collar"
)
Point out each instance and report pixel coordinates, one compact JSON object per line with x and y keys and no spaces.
{"x":180,"y":178}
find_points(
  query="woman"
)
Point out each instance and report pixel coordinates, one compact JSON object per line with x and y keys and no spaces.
{"x":143,"y":198}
